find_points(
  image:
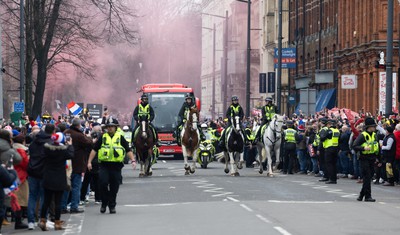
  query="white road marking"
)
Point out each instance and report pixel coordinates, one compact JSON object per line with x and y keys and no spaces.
{"x":301,"y":202}
{"x":282,"y":231}
{"x":233,"y":199}
{"x":210,"y":188}
{"x":335,"y":191}
{"x":320,"y":187}
{"x":246,"y":208}
{"x":383,"y":203}
{"x":350,"y":195}
{"x":160,"y":205}
{"x":263,"y":218}
{"x":74,"y":228}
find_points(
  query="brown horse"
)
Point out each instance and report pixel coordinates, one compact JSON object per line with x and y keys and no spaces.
{"x":144,"y":142}
{"x":190,"y":139}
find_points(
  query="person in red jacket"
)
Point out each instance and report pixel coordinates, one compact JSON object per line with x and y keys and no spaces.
{"x":396,"y":169}
{"x":23,"y":192}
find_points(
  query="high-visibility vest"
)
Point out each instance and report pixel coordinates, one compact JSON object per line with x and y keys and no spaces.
{"x":290,"y":135}
{"x":144,"y":111}
{"x":316,"y":140}
{"x":111,"y":149}
{"x":334,"y":141}
{"x":250,"y":136}
{"x":269,"y":112}
{"x":371,"y":142}
{"x":235,"y":110}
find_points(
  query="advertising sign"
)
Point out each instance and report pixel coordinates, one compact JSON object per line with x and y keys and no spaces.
{"x":382,"y":92}
{"x":349,"y":81}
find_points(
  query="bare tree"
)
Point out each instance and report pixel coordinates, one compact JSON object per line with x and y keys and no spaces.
{"x":63,"y":31}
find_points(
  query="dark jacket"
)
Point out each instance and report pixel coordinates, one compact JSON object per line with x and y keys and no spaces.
{"x":185,"y":107}
{"x":54,"y":172}
{"x":389,"y":155}
{"x":82,"y":147}
{"x":230,"y":113}
{"x":7,"y":178}
{"x":36,"y":153}
{"x":344,"y":141}
{"x":136,"y":113}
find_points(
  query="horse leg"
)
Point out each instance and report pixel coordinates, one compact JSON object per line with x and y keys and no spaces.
{"x":226,"y":170}
{"x":141,"y":174}
{"x":269,"y":159}
{"x":232,"y":162}
{"x":261,"y":158}
{"x":193,"y":167}
{"x":241,"y":161}
{"x":185,"y":160}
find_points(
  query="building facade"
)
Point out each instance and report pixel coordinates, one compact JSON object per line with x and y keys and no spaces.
{"x":362,"y":37}
{"x":230,"y":79}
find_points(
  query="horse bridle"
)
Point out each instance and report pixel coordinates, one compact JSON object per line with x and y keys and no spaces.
{"x":274,"y":131}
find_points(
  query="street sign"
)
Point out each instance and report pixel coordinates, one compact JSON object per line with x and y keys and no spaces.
{"x":288,"y":58}
{"x":292,"y":100}
{"x":95,"y":110}
{"x":19,"y":107}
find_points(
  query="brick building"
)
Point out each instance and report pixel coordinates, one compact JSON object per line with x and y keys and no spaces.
{"x":362,"y":36}
{"x":316,"y":44}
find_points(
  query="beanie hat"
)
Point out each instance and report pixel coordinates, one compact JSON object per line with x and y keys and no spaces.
{"x":15,"y":133}
{"x":58,"y":138}
{"x":301,"y":128}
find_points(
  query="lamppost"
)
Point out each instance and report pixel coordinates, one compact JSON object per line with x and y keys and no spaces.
{"x":224,"y":71}
{"x":248,"y":56}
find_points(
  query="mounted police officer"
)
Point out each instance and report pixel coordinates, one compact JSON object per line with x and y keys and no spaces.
{"x":368,"y":146}
{"x":330,"y":144}
{"x":186,"y":106}
{"x":144,"y":112}
{"x":111,"y":149}
{"x":267,"y":113}
{"x":234,"y":110}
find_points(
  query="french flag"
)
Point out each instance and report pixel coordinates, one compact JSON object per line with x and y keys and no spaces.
{"x":74,"y":108}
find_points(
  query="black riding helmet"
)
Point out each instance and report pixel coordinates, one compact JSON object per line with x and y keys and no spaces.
{"x":112,"y":122}
{"x":235,"y":98}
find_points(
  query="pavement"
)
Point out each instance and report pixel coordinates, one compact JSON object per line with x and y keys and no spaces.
{"x":212,"y":202}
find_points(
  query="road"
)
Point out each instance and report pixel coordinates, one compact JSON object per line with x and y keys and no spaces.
{"x":211,"y":202}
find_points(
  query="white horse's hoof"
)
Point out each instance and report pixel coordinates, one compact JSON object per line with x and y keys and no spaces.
{"x":187,"y":168}
{"x":240,"y":165}
{"x":270,"y":174}
{"x":260,"y":171}
{"x":235,"y":174}
{"x":187,"y":173}
{"x":226,"y":170}
{"x":192,"y":171}
{"x":141,"y":175}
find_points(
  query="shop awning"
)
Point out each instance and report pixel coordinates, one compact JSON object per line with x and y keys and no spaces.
{"x":325,"y":99}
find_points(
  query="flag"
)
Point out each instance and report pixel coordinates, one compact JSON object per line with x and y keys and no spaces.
{"x":58,"y":104}
{"x":39,"y":121}
{"x":74,"y":108}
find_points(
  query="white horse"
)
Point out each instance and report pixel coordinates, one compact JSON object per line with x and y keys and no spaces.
{"x":234,"y":145}
{"x":271,"y":140}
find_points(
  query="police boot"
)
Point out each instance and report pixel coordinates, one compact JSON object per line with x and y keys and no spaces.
{"x":258,"y":136}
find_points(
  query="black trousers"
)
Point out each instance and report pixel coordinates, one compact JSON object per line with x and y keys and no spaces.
{"x":48,"y":196}
{"x":367,"y":171}
{"x":110,"y":179}
{"x":289,"y":160}
{"x":331,"y":157}
{"x":93,"y":180}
